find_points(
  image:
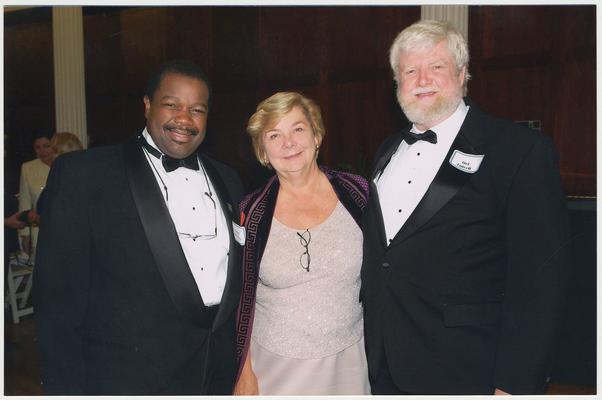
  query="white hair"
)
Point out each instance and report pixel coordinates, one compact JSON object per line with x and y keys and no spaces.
{"x":430,"y":33}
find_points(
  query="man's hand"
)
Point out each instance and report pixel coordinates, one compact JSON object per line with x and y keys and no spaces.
{"x":13,"y":222}
{"x":499,"y":392}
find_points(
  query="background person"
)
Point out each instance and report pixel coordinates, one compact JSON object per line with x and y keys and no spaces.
{"x":466,"y":244}
{"x":64,"y":142}
{"x":301,"y":262}
{"x":61,"y":143}
{"x":33,"y":180}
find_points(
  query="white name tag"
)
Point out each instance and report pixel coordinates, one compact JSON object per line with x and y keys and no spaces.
{"x":239,"y":233}
{"x":465,"y":162}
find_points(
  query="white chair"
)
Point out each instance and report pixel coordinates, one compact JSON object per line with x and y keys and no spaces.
{"x":19,"y":276}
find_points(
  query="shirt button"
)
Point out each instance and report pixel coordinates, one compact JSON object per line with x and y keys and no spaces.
{"x":417,"y":154}
{"x":409,"y":181}
{"x":399,"y":210}
{"x":386,"y":265}
{"x":194,"y":208}
{"x":202,"y":269}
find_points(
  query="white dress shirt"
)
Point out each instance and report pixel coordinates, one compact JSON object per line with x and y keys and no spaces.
{"x":411,"y":170}
{"x":193,"y":214}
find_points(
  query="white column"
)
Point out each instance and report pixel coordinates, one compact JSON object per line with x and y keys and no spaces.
{"x":457,"y":15}
{"x":69,"y":74}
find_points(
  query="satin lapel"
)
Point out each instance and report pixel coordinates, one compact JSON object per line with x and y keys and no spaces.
{"x":446,"y":184}
{"x":161,"y":234}
{"x":231,"y":294}
{"x":374,"y":213}
{"x":382,"y":162}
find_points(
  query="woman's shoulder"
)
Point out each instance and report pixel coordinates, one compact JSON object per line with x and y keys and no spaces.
{"x":32,"y":164}
{"x":248,"y":199}
{"x":353,"y":177}
{"x":357,"y":181}
{"x":251,"y":197}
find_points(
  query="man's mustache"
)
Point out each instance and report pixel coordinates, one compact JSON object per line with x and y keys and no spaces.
{"x":424,"y":90}
{"x":189,"y":131}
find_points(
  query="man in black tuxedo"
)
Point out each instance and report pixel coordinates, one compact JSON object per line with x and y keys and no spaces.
{"x":138,"y":269}
{"x":465,"y":249}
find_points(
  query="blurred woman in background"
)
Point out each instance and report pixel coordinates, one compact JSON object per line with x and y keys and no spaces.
{"x":61,"y":143}
{"x":33,"y":179}
{"x":64,"y":142}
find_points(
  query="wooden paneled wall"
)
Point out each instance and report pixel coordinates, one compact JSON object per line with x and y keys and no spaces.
{"x":336,"y":55}
{"x":528,"y":63}
{"x":539,"y":63}
{"x":28,"y":81}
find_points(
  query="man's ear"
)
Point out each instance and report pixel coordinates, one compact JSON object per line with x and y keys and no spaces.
{"x":462,"y":75}
{"x":147,"y":106}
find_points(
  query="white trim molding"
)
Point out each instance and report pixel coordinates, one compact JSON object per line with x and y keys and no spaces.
{"x":69,"y":73}
{"x":457,"y":15}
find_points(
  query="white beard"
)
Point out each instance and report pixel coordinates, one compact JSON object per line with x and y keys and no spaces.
{"x":438,"y":111}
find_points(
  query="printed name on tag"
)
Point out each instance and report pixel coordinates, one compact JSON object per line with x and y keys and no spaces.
{"x":239,"y":233}
{"x":465,"y":162}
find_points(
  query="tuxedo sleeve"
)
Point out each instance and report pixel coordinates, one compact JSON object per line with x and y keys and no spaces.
{"x":61,"y":280}
{"x":538,"y":258}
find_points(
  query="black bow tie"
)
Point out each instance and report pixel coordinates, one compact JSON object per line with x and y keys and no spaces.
{"x":170,"y":163}
{"x":411,"y":137}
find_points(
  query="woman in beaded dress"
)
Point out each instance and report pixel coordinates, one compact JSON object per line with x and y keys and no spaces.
{"x":300,"y":326}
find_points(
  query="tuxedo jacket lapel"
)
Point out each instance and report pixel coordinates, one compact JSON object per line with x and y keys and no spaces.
{"x":448,"y":181}
{"x":388,"y":149}
{"x":376,"y":214}
{"x":231,"y":293}
{"x":384,"y":159}
{"x":161,"y":234}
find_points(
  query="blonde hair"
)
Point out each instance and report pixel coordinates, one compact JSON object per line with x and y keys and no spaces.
{"x":272,"y":109}
{"x":430,"y":33}
{"x":64,"y":142}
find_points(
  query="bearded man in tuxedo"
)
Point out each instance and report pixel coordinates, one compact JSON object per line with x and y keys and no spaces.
{"x":138,"y":270}
{"x":466,"y":237}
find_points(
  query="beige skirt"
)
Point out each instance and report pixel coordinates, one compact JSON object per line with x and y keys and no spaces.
{"x":344,"y":373}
